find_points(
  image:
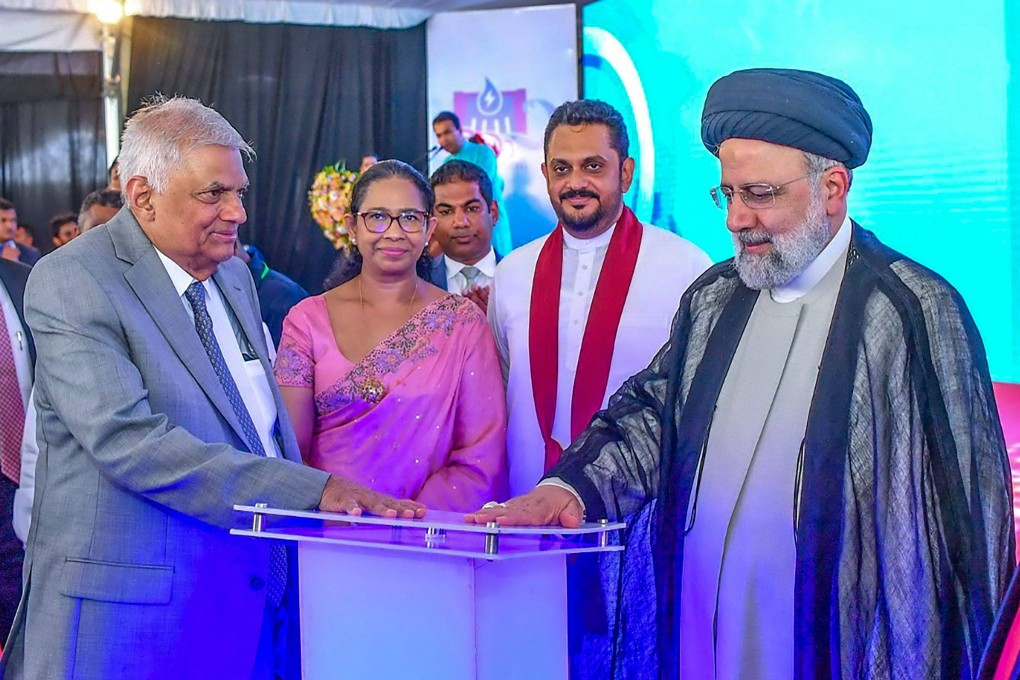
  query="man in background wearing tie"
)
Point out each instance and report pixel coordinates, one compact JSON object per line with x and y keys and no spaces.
{"x":9,"y":248}
{"x":17,"y":356}
{"x":465,"y":216}
{"x":158,"y":413}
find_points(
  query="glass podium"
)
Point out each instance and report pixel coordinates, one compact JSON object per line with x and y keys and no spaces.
{"x":431,"y":598}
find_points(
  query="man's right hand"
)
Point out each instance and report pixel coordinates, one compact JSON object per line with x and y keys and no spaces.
{"x":480,"y":296}
{"x":11,"y":252}
{"x":542,"y":506}
{"x":343,"y":495}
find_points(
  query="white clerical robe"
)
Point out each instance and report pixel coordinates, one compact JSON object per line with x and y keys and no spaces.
{"x":737,"y":593}
{"x":667,"y":264}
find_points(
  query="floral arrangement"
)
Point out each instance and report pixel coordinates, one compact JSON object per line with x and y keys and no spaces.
{"x":330,"y":202}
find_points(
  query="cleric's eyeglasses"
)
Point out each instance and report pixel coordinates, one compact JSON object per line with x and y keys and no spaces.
{"x":756,"y":196}
{"x":410,"y":221}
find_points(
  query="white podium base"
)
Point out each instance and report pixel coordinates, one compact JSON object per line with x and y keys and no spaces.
{"x":380,"y":615}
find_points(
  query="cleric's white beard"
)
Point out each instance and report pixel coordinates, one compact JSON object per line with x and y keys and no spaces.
{"x":791,"y":252}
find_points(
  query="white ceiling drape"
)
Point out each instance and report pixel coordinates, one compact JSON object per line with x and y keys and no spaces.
{"x":51,"y":31}
{"x":373,"y":13}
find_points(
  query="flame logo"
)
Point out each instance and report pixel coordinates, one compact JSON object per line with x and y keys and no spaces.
{"x":492,"y":111}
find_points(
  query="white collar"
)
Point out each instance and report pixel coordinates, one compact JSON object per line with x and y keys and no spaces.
{"x":180,"y":278}
{"x":593,"y":243}
{"x":819,"y":267}
{"x":486,"y":265}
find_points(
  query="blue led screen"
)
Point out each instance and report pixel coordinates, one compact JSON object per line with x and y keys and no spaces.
{"x":941,"y":184}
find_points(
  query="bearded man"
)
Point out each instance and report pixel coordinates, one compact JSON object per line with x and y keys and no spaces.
{"x":577,"y":312}
{"x":815,"y":451}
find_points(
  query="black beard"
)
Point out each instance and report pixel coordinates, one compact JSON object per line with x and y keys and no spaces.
{"x":581,"y":224}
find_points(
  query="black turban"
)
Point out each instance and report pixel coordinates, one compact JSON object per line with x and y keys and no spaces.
{"x":800,"y":109}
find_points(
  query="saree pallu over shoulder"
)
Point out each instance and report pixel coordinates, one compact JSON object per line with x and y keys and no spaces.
{"x":372,"y":378}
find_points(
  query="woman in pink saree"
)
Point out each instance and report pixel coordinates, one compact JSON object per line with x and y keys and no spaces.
{"x":390,"y":381}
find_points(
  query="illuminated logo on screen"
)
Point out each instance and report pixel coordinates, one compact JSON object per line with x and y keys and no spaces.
{"x":603,"y":50}
{"x":492,"y":111}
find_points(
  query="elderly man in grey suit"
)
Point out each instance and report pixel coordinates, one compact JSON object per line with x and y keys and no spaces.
{"x":157,"y":413}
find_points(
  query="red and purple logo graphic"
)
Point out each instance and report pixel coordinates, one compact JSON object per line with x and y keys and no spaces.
{"x":492,"y":111}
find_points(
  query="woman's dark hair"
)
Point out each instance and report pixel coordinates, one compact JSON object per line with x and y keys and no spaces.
{"x":348,"y":263}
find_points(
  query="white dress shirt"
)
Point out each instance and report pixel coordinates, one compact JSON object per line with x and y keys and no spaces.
{"x":19,"y":343}
{"x":23,"y":369}
{"x":667,"y":264}
{"x":457,"y":283}
{"x":24,"y":495}
{"x":249,"y":376}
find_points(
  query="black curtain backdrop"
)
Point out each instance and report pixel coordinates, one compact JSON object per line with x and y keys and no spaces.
{"x":52,"y":142}
{"x":305,"y":96}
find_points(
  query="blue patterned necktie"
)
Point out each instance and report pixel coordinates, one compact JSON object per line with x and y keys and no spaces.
{"x":195,"y":295}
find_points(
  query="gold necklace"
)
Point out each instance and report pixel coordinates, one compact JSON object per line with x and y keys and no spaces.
{"x":372,"y":389}
{"x":361,"y":299}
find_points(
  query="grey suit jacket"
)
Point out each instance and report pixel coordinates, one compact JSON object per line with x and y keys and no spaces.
{"x":130,"y":571}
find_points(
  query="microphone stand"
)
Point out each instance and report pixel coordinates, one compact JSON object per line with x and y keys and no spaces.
{"x":427,"y":156}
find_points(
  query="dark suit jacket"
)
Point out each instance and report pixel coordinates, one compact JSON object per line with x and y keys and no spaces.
{"x":29,"y":255}
{"x":277,"y":293}
{"x":13,"y":276}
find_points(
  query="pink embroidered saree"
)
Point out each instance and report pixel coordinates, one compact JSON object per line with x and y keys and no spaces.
{"x":421,"y":416}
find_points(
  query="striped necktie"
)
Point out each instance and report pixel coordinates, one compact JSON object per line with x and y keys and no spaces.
{"x":195,"y":295}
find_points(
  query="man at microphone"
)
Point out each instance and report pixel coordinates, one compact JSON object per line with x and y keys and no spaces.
{"x":446,"y":125}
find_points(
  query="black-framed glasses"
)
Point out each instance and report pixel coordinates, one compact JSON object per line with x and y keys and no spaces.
{"x":410,"y":221}
{"x":755,"y":196}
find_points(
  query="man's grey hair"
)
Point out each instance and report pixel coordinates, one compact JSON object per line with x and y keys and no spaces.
{"x":818,"y":164}
{"x":159,"y":136}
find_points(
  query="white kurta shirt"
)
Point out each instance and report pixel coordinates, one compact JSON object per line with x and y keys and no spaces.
{"x":667,"y":264}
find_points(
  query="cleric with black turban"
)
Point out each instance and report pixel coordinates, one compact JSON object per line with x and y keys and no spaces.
{"x":802,"y":109}
{"x":812,"y":467}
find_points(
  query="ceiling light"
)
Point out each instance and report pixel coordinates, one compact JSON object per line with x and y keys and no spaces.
{"x":109,"y":12}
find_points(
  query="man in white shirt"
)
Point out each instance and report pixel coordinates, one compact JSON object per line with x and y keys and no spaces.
{"x":579,"y":311}
{"x":465,"y":216}
{"x":17,"y":356}
{"x":157,"y":414}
